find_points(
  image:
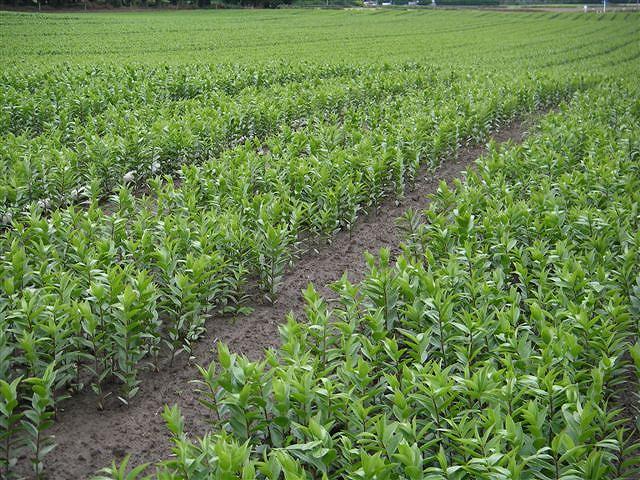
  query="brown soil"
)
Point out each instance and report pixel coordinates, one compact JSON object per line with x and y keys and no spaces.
{"x":88,"y":439}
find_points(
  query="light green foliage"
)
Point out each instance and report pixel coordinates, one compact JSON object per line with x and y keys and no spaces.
{"x":147,"y":188}
{"x":9,"y":422}
{"x":249,"y":37}
{"x":38,"y":417}
{"x":487,"y":351}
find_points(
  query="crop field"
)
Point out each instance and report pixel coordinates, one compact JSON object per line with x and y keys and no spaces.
{"x":163,"y":172}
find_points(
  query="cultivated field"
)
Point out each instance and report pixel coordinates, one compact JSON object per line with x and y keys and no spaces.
{"x":165,"y":174}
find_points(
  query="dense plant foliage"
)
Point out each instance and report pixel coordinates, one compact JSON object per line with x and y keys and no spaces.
{"x":94,"y":292}
{"x":160,"y":4}
{"x":139,"y":199}
{"x":496,"y":347}
{"x":464,"y":39}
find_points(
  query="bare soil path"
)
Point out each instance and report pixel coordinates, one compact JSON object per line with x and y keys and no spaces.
{"x":89,"y":439}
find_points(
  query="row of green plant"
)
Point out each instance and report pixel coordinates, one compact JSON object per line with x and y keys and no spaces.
{"x":498,"y":346}
{"x":90,"y":294}
{"x":94,"y":296}
{"x":42,"y":100}
{"x":444,"y":38}
{"x":69,"y":132}
{"x":125,"y":144}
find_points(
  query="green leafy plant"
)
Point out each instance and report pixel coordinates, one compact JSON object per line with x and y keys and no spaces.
{"x":481,"y":353}
{"x":142,"y":199}
{"x":38,"y":417}
{"x":273,"y":256}
{"x":10,"y":422}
